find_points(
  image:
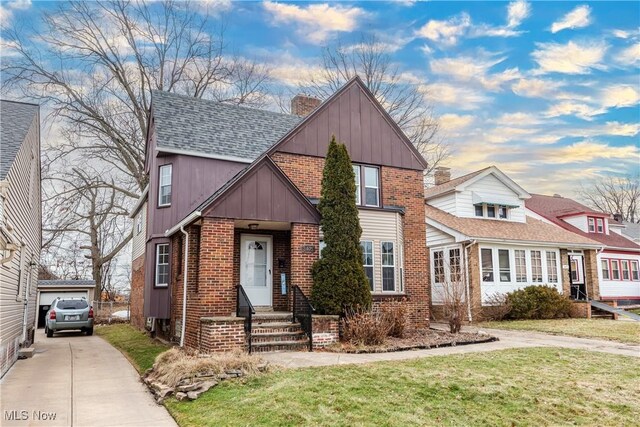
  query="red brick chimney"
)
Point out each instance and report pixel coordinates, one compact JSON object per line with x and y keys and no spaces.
{"x":302,"y":105}
{"x":441,"y":175}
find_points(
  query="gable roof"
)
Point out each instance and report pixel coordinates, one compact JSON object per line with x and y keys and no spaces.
{"x":214,"y":129}
{"x":532,"y":230}
{"x":15,"y":120}
{"x":554,"y":208}
{"x":460,"y":183}
{"x":357,"y":119}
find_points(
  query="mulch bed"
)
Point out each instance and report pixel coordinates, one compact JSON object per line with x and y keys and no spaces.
{"x":419,"y":340}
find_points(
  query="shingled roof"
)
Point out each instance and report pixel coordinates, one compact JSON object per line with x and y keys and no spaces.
{"x":215,"y":129}
{"x":554,"y":208}
{"x":451,"y":184}
{"x":531,"y":231}
{"x":15,"y":120}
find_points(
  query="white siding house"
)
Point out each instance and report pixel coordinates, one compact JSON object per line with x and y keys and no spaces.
{"x":20,"y":226}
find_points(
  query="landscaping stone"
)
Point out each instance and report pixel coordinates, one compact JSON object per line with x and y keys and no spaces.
{"x":189,"y":387}
{"x":181,"y":396}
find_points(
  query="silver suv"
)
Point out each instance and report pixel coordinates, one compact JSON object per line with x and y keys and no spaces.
{"x":69,"y":313}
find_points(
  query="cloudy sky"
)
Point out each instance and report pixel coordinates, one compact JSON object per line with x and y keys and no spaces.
{"x":548,"y":92}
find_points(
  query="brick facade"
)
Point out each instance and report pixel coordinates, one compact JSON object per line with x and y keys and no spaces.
{"x":222,"y":334}
{"x":305,"y":247}
{"x":326,"y":330}
{"x":136,"y":297}
{"x":591,"y":274}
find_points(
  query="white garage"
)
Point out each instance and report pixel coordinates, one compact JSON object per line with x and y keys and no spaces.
{"x":49,"y":290}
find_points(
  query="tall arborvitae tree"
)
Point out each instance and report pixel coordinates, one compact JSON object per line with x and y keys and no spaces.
{"x":339,"y":280}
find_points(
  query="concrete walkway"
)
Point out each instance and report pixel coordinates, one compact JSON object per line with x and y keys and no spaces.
{"x":507,"y":340}
{"x":77,"y":380}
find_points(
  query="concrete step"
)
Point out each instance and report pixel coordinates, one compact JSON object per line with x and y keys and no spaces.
{"x":279,"y":337}
{"x":274,"y":317}
{"x":280,"y":346}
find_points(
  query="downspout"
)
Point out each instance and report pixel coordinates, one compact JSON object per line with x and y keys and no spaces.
{"x":184,"y":285}
{"x":466,"y":277}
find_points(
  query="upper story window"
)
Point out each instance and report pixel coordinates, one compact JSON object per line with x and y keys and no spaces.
{"x":491,"y":211}
{"x":139,"y":224}
{"x":595,"y":225}
{"x":367,"y":185}
{"x":164,"y":185}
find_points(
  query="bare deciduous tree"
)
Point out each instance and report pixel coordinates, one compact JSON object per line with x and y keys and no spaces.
{"x":403,"y":99}
{"x":94,"y":65}
{"x":614,"y":195}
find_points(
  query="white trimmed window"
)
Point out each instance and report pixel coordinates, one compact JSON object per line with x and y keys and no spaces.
{"x":625,"y":270}
{"x":164,"y":187}
{"x":455,"y":272}
{"x":139,"y":224}
{"x":521,"y":265}
{"x":356,"y":171}
{"x":487,"y":264}
{"x":21,"y":273}
{"x":591,"y":223}
{"x":552,"y":267}
{"x":504,"y":265}
{"x":604,"y":265}
{"x":367,"y":261}
{"x":615,"y":269}
{"x":388,"y":267}
{"x":536,"y":266}
{"x":600,"y":225}
{"x":635,"y":274}
{"x":438,"y":267}
{"x":162,"y":265}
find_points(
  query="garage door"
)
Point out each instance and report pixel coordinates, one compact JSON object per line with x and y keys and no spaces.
{"x":46,"y":298}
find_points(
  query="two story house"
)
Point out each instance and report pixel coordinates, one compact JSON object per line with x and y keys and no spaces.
{"x":20,"y":226}
{"x":232,"y":201}
{"x":481,"y":240}
{"x":619,"y":260}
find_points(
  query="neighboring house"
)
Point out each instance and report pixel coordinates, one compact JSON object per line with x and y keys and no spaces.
{"x":481,"y":240}
{"x":20,"y":226}
{"x":49,"y":290}
{"x":618,"y":262}
{"x":631,"y":230}
{"x":241,"y":185}
{"x":139,"y":242}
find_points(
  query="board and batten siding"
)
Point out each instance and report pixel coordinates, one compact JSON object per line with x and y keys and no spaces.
{"x":139,"y":240}
{"x":22,"y":211}
{"x":489,"y":185}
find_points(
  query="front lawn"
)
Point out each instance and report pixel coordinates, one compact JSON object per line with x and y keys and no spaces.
{"x":534,"y":386}
{"x":615,"y":330}
{"x":134,"y":344}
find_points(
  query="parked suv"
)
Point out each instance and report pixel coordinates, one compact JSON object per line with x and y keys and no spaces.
{"x":69,"y":313}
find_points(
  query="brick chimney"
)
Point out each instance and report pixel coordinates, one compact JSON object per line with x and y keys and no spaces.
{"x":302,"y":105}
{"x":441,"y":175}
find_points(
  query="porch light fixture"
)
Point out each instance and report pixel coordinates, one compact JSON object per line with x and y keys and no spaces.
{"x":253,"y":226}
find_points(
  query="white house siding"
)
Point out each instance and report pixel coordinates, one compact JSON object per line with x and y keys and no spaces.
{"x":618,"y":289}
{"x":497,"y":287}
{"x":445,"y":203}
{"x":22,"y":212}
{"x":139,"y":234}
{"x":436,"y":237}
{"x":489,"y":185}
{"x":580,"y":222}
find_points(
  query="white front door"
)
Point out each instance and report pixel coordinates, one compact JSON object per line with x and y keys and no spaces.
{"x":255,"y":268}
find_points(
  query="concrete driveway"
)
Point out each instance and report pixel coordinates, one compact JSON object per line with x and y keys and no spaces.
{"x":76,"y":380}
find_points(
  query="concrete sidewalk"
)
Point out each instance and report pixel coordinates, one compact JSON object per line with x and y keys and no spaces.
{"x":507,"y":340}
{"x":76,"y":380}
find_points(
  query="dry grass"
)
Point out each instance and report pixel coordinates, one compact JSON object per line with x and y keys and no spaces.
{"x":174,"y":365}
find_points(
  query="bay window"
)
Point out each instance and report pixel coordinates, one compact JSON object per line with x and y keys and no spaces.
{"x":521,"y":265}
{"x":487,"y":264}
{"x":367,"y":260}
{"x":536,"y":266}
{"x":162,"y":265}
{"x":503,"y":265}
{"x":552,"y":267}
{"x":388,"y":267}
{"x":164,"y":187}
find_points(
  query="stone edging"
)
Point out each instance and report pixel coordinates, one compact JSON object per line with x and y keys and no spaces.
{"x":414,"y":347}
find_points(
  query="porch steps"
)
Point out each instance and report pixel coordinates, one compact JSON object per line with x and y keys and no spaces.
{"x":275,"y":331}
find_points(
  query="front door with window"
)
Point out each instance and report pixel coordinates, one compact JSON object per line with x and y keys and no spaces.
{"x":255,"y":268}
{"x":578,"y":288}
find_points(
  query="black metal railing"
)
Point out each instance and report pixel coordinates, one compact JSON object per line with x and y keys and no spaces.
{"x":245,"y":309}
{"x":302,"y":312}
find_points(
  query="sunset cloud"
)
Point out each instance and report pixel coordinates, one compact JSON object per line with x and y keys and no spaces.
{"x":569,"y":58}
{"x":579,"y":17}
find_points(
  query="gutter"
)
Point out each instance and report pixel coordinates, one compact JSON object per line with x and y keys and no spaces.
{"x":179,"y":226}
{"x":184,"y":285}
